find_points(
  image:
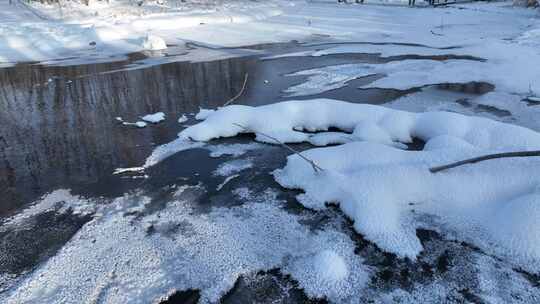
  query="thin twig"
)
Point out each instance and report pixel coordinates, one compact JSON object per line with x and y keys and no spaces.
{"x":239,"y":93}
{"x":485,"y":157}
{"x":315,"y":167}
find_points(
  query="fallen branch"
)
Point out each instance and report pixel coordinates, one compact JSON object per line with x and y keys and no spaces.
{"x":315,"y":167}
{"x":239,"y":93}
{"x":485,"y":157}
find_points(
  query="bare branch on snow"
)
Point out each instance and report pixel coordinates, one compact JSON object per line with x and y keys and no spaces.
{"x":483,"y":158}
{"x":315,"y":167}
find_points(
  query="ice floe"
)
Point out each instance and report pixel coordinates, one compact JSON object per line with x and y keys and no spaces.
{"x":154,"y":118}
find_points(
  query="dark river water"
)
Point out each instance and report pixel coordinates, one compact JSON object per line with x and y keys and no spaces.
{"x":58,"y":130}
{"x":58,"y":122}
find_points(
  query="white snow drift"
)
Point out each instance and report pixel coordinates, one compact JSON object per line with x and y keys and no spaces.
{"x":383,"y":188}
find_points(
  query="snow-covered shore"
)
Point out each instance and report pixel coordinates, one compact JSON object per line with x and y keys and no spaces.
{"x":142,"y":247}
{"x":118,"y":28}
{"x":41,"y":32}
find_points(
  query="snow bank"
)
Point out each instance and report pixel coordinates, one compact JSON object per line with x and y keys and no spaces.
{"x":357,"y":175}
{"x":71,"y":29}
{"x":285,"y":120}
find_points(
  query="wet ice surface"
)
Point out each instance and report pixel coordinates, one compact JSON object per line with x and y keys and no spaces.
{"x":208,"y":223}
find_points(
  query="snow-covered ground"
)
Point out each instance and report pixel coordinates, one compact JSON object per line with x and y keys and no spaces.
{"x":137,"y":249}
{"x":37,"y":32}
{"x":505,"y":36}
{"x":121,"y":27}
{"x":496,"y":208}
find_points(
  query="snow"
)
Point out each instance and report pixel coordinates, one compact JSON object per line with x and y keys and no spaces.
{"x":408,"y":74}
{"x":60,"y":200}
{"x":514,"y":223}
{"x":386,"y":191}
{"x":164,"y":151}
{"x":182,"y":118}
{"x":330,"y":270}
{"x":533,"y":99}
{"x":283,"y":120}
{"x":233,"y":166}
{"x":328,"y":78}
{"x":40,"y":32}
{"x":154,"y":43}
{"x":203,"y":114}
{"x":496,"y":34}
{"x":234,"y":150}
{"x":131,"y":253}
{"x":330,"y":266}
{"x":357,"y":175}
{"x":138,"y":124}
{"x":383,"y":50}
{"x":154,"y":118}
{"x":226,"y":181}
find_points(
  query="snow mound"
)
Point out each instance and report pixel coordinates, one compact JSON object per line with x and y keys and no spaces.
{"x":154,"y":118}
{"x":330,"y":269}
{"x":515,"y":224}
{"x":203,"y":113}
{"x":382,"y":188}
{"x":154,"y":43}
{"x":284,"y":120}
{"x":330,"y":266}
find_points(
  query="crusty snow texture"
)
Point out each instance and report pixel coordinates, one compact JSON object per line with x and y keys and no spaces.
{"x":115,"y":258}
{"x":494,"y":204}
